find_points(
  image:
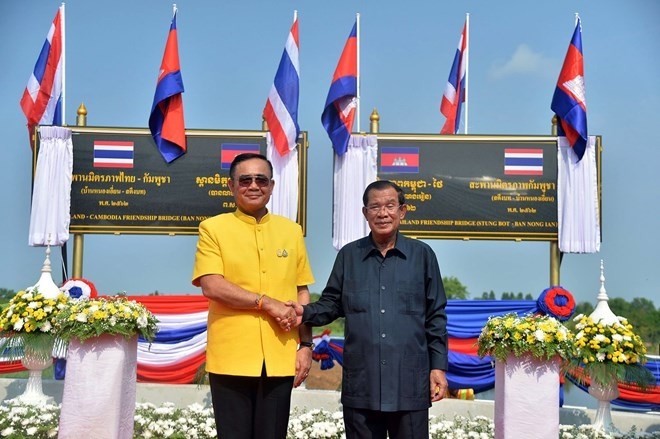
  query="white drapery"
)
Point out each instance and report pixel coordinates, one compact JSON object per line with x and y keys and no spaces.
{"x":353,"y":171}
{"x":51,"y":197}
{"x":577,"y":199}
{"x":284,"y":200}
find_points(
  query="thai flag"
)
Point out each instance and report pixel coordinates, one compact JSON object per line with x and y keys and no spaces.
{"x":229,"y":151}
{"x":42,"y":99}
{"x":454,"y":95}
{"x":281,"y":110}
{"x":339,"y":112}
{"x":399,"y":160}
{"x":113,"y":154}
{"x":569,"y":101}
{"x":166,"y":119}
{"x":523,"y":161}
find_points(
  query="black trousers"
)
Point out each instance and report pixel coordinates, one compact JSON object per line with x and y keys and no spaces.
{"x":251,"y":407}
{"x":373,"y":424}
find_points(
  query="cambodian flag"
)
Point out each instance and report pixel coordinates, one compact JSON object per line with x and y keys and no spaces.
{"x":42,"y":99}
{"x":569,"y":101}
{"x":399,"y":160}
{"x":339,"y":112}
{"x":229,"y":151}
{"x":166,"y":120}
{"x":281,"y":110}
{"x":454,"y":95}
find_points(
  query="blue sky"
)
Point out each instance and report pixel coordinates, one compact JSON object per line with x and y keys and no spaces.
{"x":229,"y":53}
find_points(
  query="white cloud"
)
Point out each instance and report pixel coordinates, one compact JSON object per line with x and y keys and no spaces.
{"x":523,"y":61}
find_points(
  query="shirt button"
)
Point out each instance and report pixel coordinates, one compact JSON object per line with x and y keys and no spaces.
{"x":383,"y":362}
{"x":382,"y":311}
{"x":382,"y":287}
{"x":383,"y":335}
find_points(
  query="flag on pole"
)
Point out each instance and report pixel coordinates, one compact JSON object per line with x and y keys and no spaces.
{"x":569,"y":101}
{"x":42,"y":99}
{"x":339,"y":112}
{"x":281,"y":110}
{"x":454,"y":94}
{"x":166,"y":119}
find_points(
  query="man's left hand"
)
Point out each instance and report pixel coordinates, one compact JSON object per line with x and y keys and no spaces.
{"x":303,"y":365}
{"x":439,"y":384}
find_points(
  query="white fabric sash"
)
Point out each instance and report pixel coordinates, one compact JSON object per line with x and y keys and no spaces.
{"x":353,"y":171}
{"x":577,"y":203}
{"x":51,"y":197}
{"x":284,"y":200}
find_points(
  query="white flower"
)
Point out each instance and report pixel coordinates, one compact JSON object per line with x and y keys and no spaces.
{"x":539,"y":335}
{"x":33,"y":305}
{"x":7,"y":431}
{"x":81,"y":317}
{"x":600,"y":356}
{"x":18,"y":325}
{"x":617,"y":337}
{"x":46,"y":327}
{"x":599,"y":337}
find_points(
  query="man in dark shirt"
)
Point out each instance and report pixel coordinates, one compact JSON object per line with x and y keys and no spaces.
{"x":389,"y":289}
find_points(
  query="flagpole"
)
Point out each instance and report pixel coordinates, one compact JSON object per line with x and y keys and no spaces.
{"x":357,"y":104}
{"x":173,"y":9}
{"x":63,"y":66}
{"x":467,"y":67}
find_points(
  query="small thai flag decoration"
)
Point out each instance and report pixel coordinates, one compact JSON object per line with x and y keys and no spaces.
{"x":113,"y":154}
{"x":519,"y":161}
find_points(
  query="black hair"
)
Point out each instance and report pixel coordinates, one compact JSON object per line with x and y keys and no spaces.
{"x":380,"y":185}
{"x":248,"y":156}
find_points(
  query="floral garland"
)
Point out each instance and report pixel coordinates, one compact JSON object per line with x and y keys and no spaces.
{"x":29,"y":322}
{"x":557,"y":302}
{"x":538,"y":335}
{"x":117,"y":315}
{"x":610,"y":352}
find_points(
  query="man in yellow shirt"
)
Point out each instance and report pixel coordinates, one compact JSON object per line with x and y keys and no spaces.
{"x":249,"y":263}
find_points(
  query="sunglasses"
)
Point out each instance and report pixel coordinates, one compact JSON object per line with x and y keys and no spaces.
{"x":260,"y":180}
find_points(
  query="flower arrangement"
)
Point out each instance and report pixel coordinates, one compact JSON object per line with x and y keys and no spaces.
{"x":117,"y":315}
{"x":610,"y":352}
{"x":539,"y":335}
{"x":21,"y":420}
{"x":316,"y":424}
{"x":29,"y":322}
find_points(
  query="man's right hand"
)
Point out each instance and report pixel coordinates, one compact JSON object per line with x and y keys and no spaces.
{"x":283,"y":314}
{"x":298,"y":308}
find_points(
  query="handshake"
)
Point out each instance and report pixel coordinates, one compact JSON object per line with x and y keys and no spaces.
{"x":287,"y":314}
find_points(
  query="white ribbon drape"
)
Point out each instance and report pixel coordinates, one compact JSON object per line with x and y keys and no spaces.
{"x":51,"y":197}
{"x":577,"y":199}
{"x":353,"y":171}
{"x":284,"y":200}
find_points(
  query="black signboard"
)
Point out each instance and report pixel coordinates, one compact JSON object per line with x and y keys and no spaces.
{"x":475,"y":187}
{"x":121,"y":183}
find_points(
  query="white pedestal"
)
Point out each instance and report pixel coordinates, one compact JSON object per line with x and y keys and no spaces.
{"x":99,"y":390}
{"x":604,"y":394}
{"x":526,"y":398}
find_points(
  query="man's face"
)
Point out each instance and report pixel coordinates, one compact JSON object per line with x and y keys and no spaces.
{"x":252,"y":186}
{"x":383,"y":212}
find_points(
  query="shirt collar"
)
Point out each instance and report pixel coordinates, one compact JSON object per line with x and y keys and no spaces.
{"x":250,"y":219}
{"x":368,"y":247}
